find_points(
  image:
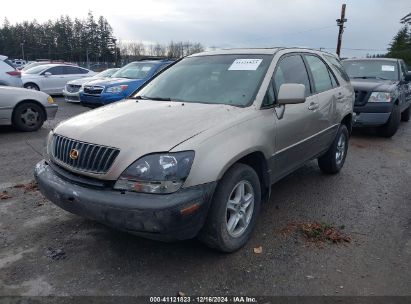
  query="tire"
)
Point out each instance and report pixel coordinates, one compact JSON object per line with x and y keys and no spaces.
{"x":240,"y":212}
{"x":32,"y":86}
{"x":28,"y":117}
{"x":333,"y":160}
{"x":405,"y":116}
{"x":391,"y":127}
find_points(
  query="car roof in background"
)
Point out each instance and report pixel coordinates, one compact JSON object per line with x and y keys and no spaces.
{"x":2,"y":57}
{"x":372,"y":59}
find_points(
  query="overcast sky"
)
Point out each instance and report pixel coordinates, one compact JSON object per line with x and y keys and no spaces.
{"x":234,"y":23}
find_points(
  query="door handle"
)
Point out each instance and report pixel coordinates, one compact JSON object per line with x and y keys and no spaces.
{"x":313,"y":106}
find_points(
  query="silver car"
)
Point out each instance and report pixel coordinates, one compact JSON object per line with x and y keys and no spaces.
{"x":72,"y":88}
{"x":51,"y":78}
{"x":9,"y":75}
{"x":196,"y":150}
{"x":25,"y":110}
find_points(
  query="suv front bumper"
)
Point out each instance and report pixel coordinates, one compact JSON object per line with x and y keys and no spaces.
{"x":372,"y":114}
{"x":174,"y":216}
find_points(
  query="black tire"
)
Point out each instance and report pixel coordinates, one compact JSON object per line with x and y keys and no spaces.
{"x":28,"y":117}
{"x":215,"y":232}
{"x":31,"y":86}
{"x":333,"y":160}
{"x":405,"y":116}
{"x":393,"y":123}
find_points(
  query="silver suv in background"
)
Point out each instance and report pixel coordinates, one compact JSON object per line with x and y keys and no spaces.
{"x":196,"y":150}
{"x":9,"y":75}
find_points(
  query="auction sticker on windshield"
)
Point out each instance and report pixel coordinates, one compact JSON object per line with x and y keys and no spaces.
{"x":245,"y":65}
{"x":388,"y":68}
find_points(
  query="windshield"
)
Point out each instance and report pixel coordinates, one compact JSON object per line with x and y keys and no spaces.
{"x":221,"y":79}
{"x":36,"y":69}
{"x":32,"y":65}
{"x":374,"y":69}
{"x":134,"y":70}
{"x":106,"y":73}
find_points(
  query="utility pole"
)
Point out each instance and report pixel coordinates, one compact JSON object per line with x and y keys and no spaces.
{"x":22,"y":49}
{"x":340,"y":23}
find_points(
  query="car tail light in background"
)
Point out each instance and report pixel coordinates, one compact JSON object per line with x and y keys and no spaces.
{"x":14,"y":73}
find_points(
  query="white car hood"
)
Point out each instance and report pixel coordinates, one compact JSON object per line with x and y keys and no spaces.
{"x":145,"y":126}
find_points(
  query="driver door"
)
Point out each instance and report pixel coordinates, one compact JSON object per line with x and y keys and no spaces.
{"x":52,"y":83}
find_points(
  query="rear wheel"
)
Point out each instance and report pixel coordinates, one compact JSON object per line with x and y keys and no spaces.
{"x":332,"y":161}
{"x":28,"y":117}
{"x":234,"y":209}
{"x":393,"y":123}
{"x":405,"y":116}
{"x":32,"y":86}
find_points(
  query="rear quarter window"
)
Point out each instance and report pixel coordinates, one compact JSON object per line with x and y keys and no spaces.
{"x":8,"y":62}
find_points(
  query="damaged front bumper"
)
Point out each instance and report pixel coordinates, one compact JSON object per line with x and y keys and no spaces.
{"x":174,"y":216}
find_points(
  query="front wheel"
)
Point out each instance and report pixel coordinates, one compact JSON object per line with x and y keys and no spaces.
{"x":32,"y":86}
{"x":393,"y":123}
{"x":234,"y":209}
{"x":332,"y":161}
{"x":28,"y":117}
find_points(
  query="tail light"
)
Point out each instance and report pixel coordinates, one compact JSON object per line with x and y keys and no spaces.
{"x":14,"y":73}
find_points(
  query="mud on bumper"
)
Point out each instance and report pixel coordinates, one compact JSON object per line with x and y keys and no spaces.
{"x":155,"y":216}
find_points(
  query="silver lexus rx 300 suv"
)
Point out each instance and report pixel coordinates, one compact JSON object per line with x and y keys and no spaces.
{"x":195,"y":151}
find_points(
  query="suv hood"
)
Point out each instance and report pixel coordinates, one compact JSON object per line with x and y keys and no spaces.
{"x":373,"y":85}
{"x":108,"y":82}
{"x":145,"y":126}
{"x":80,"y":81}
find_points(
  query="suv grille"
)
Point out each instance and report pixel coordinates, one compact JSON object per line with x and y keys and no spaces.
{"x":361,"y":98}
{"x":73,"y":88}
{"x":93,"y":90}
{"x":83,"y":156}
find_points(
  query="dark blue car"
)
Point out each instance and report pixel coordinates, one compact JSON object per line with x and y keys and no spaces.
{"x":122,"y":83}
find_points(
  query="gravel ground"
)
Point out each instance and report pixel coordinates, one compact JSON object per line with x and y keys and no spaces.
{"x":47,"y":251}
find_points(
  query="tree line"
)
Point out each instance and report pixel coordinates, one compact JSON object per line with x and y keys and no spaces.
{"x":400,"y":47}
{"x":80,"y":40}
{"x":65,"y":39}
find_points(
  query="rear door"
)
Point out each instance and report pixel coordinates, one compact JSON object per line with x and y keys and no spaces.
{"x":328,"y":93}
{"x":296,"y":123}
{"x":73,"y":73}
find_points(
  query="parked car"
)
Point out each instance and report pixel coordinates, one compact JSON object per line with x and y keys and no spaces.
{"x":19,"y":63}
{"x":52,"y":78}
{"x":72,"y":88}
{"x":25,"y":110}
{"x":43,"y":62}
{"x":9,"y":75}
{"x":382,"y":93}
{"x":196,"y":150}
{"x":122,"y":83}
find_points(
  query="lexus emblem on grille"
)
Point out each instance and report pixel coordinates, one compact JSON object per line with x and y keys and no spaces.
{"x":73,"y":154}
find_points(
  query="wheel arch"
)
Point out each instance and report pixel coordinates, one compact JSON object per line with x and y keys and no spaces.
{"x":258,"y":162}
{"x":31,"y":82}
{"x":347,"y":121}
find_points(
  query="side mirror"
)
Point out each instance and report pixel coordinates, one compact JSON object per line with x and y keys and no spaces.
{"x":47,"y":74}
{"x":291,"y":93}
{"x":407,"y":77}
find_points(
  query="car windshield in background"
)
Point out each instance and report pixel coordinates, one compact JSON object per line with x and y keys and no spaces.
{"x":135,"y":70}
{"x":106,"y":73}
{"x":373,"y":69}
{"x":221,"y":79}
{"x":36,"y":69}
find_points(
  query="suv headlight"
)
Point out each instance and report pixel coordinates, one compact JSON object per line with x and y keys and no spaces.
{"x":380,"y":97}
{"x":157,"y":173}
{"x":117,"y":89}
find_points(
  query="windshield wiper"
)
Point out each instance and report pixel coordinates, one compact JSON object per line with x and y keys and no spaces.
{"x":369,"y":77}
{"x":142,"y":97}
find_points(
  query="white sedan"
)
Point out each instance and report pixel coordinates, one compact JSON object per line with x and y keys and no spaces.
{"x":51,"y":78}
{"x":25,"y":110}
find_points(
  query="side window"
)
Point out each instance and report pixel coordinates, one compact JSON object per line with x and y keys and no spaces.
{"x":321,"y":75}
{"x":404,"y":68}
{"x":291,"y":69}
{"x":333,"y":80}
{"x":74,"y":70}
{"x":57,"y":70}
{"x":338,"y":66}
